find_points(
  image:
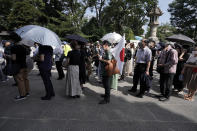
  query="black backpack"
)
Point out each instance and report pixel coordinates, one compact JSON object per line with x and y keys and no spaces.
{"x":128,"y":54}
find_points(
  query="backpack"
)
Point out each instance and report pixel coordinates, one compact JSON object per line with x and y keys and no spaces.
{"x":128,"y":54}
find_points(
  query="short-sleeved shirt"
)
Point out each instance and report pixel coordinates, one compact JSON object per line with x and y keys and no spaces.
{"x":47,"y":51}
{"x":106,"y":56}
{"x":74,"y":57}
{"x":144,"y":55}
{"x":20,"y":52}
{"x":67,"y":48}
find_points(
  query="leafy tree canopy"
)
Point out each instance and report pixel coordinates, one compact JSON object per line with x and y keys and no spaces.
{"x":184,"y":16}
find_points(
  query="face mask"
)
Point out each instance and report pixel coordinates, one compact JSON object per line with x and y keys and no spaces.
{"x":87,"y":46}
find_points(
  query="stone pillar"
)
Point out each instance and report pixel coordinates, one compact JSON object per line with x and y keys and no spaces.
{"x":154,"y":14}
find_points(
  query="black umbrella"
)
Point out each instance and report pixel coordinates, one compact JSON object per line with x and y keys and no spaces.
{"x":77,"y":38}
{"x":180,"y":38}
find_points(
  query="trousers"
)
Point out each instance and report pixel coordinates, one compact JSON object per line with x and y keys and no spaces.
{"x":22,"y":81}
{"x":166,"y":84}
{"x":59,"y":69}
{"x":45,"y":74}
{"x":139,"y":75}
{"x":106,"y":85}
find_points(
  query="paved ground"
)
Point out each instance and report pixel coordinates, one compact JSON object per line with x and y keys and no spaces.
{"x":124,"y":113}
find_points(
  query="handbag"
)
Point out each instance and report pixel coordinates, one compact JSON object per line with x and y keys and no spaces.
{"x":112,"y":68}
{"x":160,"y":69}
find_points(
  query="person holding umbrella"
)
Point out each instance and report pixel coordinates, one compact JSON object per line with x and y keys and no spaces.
{"x":19,"y":68}
{"x":73,"y":88}
{"x":82,"y":70}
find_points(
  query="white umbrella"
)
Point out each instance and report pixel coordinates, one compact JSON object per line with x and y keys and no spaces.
{"x":38,"y":34}
{"x":112,"y":37}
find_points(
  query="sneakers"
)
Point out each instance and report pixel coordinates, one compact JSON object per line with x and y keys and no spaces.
{"x":18,"y":98}
{"x":181,"y":93}
{"x":27,"y":94}
{"x":163,"y":99}
{"x":132,"y":90}
{"x":139,"y":95}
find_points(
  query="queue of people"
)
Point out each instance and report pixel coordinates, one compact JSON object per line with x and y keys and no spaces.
{"x":174,"y":64}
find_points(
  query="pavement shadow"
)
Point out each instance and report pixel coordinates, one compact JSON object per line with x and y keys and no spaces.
{"x":123,"y":113}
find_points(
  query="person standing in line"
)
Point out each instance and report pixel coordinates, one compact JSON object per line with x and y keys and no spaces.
{"x":58,"y":63}
{"x":129,"y":63}
{"x":67,"y":48}
{"x":3,"y":77}
{"x":143,"y":60}
{"x":169,"y":64}
{"x":126,"y":59}
{"x":105,"y":78}
{"x":189,"y":73}
{"x":152,"y":46}
{"x":7,"y":56}
{"x":82,"y":66}
{"x":183,"y":56}
{"x":88,"y":60}
{"x":73,"y":88}
{"x":45,"y":66}
{"x":20,"y":71}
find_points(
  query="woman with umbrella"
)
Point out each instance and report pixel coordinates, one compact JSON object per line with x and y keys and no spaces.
{"x":82,"y":69}
{"x":73,"y":88}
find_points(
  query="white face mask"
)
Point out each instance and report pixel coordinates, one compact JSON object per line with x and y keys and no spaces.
{"x":87,"y":46}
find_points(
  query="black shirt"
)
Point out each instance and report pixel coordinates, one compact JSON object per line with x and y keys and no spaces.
{"x":20,"y":52}
{"x":74,"y":57}
{"x":47,"y":51}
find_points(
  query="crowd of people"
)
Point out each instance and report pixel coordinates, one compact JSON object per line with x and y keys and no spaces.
{"x":176,"y":64}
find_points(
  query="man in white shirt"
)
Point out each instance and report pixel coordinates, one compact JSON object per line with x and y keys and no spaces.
{"x":143,"y":60}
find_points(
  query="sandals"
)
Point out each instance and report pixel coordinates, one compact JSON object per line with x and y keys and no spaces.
{"x":186,"y":97}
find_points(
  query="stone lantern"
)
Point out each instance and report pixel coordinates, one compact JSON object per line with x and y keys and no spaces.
{"x":154,"y":14}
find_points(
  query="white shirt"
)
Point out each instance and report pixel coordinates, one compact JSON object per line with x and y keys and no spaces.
{"x":144,"y":55}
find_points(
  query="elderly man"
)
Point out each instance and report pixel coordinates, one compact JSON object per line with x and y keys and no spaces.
{"x":143,"y":60}
{"x":168,"y":60}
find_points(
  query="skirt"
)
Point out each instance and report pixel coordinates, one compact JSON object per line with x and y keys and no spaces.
{"x":114,"y":82}
{"x":193,"y":82}
{"x":129,"y":66}
{"x":73,"y":87}
{"x":187,"y":77}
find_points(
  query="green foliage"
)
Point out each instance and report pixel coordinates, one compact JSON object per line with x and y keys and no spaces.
{"x":91,"y":29}
{"x":129,"y":13}
{"x":183,"y":16}
{"x":67,"y":16}
{"x":5,"y":9}
{"x":165,"y":31}
{"x":129,"y":34}
{"x":23,"y":13}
